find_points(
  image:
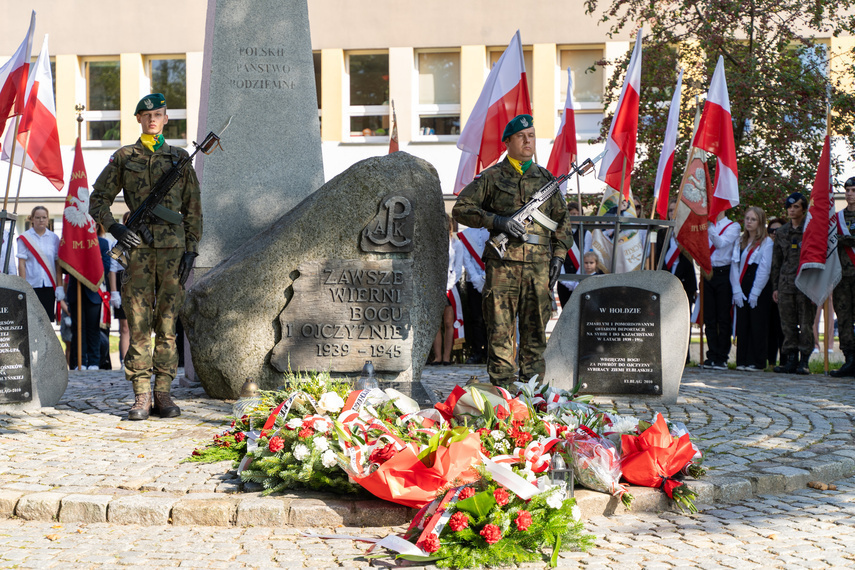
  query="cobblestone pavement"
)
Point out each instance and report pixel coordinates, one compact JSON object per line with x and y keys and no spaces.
{"x":804,"y":529}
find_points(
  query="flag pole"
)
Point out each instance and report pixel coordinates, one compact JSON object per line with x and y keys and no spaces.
{"x":11,"y":162}
{"x":79,"y":109}
{"x":21,"y":175}
{"x":826,"y":307}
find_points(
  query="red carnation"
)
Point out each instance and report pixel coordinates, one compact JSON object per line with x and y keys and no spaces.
{"x":240,"y":436}
{"x":523,"y":438}
{"x":383,"y":454}
{"x":465,"y":493}
{"x":501,"y":496}
{"x":482,"y":432}
{"x":501,"y":412}
{"x":484,"y":451}
{"x":429,"y":544}
{"x":458,"y":521}
{"x":523,"y":520}
{"x":275,"y":445}
{"x":491,"y":533}
{"x":306,"y":432}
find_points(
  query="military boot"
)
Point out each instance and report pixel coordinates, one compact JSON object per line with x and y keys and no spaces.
{"x":164,"y":406}
{"x":804,"y":364}
{"x":847,"y":370}
{"x":788,"y":363}
{"x":141,"y":407}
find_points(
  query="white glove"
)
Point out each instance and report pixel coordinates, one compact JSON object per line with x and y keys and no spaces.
{"x":115,"y":299}
{"x":60,"y":294}
{"x":752,"y":301}
{"x":739,"y":299}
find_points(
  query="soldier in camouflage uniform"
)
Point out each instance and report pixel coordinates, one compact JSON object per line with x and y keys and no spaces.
{"x":796,"y":309}
{"x":520,"y":285}
{"x":154,"y":281}
{"x":844,"y":293}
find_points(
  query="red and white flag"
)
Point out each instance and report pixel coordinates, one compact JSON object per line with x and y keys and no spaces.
{"x":715,"y":135}
{"x":393,"y":139}
{"x":79,"y":252}
{"x":37,"y":133}
{"x":13,"y":78}
{"x":623,"y":133}
{"x":504,"y":96}
{"x":819,"y":264}
{"x":564,"y":150}
{"x":662,"y":186}
{"x":692,"y":214}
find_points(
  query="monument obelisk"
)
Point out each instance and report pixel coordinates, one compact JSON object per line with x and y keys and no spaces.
{"x":257,"y":68}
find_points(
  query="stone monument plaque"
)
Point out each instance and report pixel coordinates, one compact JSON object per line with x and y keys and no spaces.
{"x":16,"y":384}
{"x":619,"y":341}
{"x":346,"y":311}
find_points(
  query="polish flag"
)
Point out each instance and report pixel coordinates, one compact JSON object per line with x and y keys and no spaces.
{"x":504,"y":96}
{"x":564,"y":150}
{"x":13,"y":78}
{"x":662,"y":187}
{"x":79,"y":251}
{"x":37,"y":132}
{"x":819,"y":264}
{"x":715,"y":135}
{"x":620,"y":145}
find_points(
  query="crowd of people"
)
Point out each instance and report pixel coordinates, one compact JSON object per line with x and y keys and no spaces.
{"x":750,"y":299}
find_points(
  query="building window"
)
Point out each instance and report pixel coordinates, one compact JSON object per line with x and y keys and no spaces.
{"x":369,"y":94}
{"x":588,"y":86}
{"x":169,"y":76}
{"x":529,"y":68}
{"x":439,"y":94}
{"x":103,"y":109}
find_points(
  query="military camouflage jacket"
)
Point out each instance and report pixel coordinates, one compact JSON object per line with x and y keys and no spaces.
{"x":785,"y":257}
{"x":135,"y":170}
{"x":501,"y":190}
{"x":844,"y":242}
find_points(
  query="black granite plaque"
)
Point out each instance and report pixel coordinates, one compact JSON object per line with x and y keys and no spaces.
{"x":620,"y":342}
{"x":16,"y":383}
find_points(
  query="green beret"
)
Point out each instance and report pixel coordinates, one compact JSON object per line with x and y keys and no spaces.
{"x":150,"y":103}
{"x":517,"y":124}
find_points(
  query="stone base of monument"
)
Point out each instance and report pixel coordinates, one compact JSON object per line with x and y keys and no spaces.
{"x":622,"y":338}
{"x":356,"y":272}
{"x":33,"y":371}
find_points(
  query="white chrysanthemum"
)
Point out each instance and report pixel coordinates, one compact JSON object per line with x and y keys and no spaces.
{"x":497,"y":434}
{"x":295,"y":423}
{"x":623,"y":424}
{"x":301,"y":452}
{"x":528,"y":475}
{"x":321,"y":443}
{"x":330,"y":403}
{"x":321,"y":426}
{"x":576,"y":513}
{"x":328,"y":458}
{"x":555,"y":499}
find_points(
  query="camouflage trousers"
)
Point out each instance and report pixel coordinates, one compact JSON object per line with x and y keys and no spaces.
{"x":516,"y":289}
{"x":844,"y":297}
{"x":152,"y":296}
{"x":797,"y":314}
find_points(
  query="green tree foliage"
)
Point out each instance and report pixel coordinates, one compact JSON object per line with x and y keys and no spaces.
{"x":777,"y":76}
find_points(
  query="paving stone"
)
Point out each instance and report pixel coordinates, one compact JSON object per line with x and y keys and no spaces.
{"x":84,"y":508}
{"x":8,"y":500}
{"x":39,"y":506}
{"x":317,"y":513}
{"x":143,"y":510}
{"x":204,"y":512}
{"x":262,"y":512}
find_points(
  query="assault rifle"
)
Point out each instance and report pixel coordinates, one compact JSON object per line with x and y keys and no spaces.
{"x":151,"y":208}
{"x":530,"y":211}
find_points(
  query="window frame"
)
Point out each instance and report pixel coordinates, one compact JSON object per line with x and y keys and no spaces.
{"x":172,"y":113}
{"x":582,"y":108}
{"x":434,"y":110}
{"x":90,"y":116}
{"x":362,"y":110}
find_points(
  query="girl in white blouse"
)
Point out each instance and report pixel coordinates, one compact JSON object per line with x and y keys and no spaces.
{"x":750,"y":268}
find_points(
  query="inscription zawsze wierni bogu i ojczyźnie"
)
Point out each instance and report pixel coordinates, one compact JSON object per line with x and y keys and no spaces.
{"x":15,"y":376}
{"x":391,"y":230}
{"x":620,"y":342}
{"x":262,"y":68}
{"x":344,"y":312}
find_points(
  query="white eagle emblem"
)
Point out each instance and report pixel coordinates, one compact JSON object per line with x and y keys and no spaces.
{"x":524,"y":122}
{"x":148,"y":104}
{"x":77,"y":210}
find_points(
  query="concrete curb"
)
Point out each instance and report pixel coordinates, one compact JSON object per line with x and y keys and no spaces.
{"x":250,"y":509}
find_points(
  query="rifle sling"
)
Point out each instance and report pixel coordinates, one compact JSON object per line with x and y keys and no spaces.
{"x":167,"y":215}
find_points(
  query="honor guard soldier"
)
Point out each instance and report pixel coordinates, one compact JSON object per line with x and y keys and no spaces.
{"x":154,"y":280}
{"x":518,"y":285}
{"x":796,"y":309}
{"x":844,"y":293}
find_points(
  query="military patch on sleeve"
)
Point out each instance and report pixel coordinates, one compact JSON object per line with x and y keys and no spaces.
{"x":477,"y":176}
{"x":112,"y":157}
